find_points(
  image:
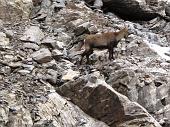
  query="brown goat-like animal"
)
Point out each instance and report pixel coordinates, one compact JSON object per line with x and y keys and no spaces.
{"x":107,"y":40}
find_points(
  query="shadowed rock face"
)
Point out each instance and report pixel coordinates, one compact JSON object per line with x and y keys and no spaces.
{"x":128,"y":9}
{"x":167,"y":9}
{"x":102,"y":102}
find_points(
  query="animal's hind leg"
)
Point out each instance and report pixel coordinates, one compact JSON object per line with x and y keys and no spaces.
{"x":82,"y":56}
{"x":111,"y":52}
{"x":88,"y":54}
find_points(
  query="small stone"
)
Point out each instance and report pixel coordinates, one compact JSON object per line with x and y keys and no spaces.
{"x":5,"y":70}
{"x":42,"y":56}
{"x":56,"y":54}
{"x":83,"y":28}
{"x":52,"y":76}
{"x":28,"y":67}
{"x":31,"y":46}
{"x":4,"y":41}
{"x":63,"y":37}
{"x":93,"y":29}
{"x":70,"y":75}
{"x":9,"y":33}
{"x":33,"y":34}
{"x":24,"y":72}
{"x":59,"y":45}
{"x":50,"y":42}
{"x":76,"y":22}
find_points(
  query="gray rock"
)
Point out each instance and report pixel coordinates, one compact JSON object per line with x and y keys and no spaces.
{"x":31,"y":46}
{"x":28,"y":67}
{"x":42,"y":56}
{"x":83,"y":28}
{"x":99,"y":99}
{"x":6,"y":70}
{"x":9,"y":33}
{"x":33,"y":34}
{"x":24,"y":72}
{"x":64,"y":37}
{"x":50,"y":42}
{"x":63,"y":109}
{"x":52,"y":77}
{"x":57,"y":54}
{"x":4,"y":41}
{"x":70,"y":75}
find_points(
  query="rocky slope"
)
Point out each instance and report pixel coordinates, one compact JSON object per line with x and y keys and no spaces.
{"x":42,"y":84}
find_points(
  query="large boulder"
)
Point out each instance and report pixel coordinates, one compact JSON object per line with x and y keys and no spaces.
{"x":137,"y":9}
{"x":102,"y":102}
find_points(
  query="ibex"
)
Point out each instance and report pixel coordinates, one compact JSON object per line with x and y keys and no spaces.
{"x":107,"y":40}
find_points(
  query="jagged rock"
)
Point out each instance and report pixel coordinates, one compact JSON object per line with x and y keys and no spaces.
{"x":52,"y":77}
{"x":42,"y":56}
{"x":24,"y":72}
{"x":5,"y":70}
{"x":55,"y":111}
{"x":36,"y":2}
{"x":17,"y":115}
{"x":9,"y":33}
{"x":64,"y":37}
{"x":15,"y":10}
{"x":167,"y":9}
{"x":33,"y":34}
{"x":70,"y":75}
{"x":76,"y":22}
{"x":31,"y":46}
{"x":60,"y":45}
{"x":81,"y":29}
{"x":49,"y":41}
{"x":152,"y":2}
{"x":28,"y":67}
{"x":4,"y":41}
{"x":56,"y":54}
{"x":102,"y":102}
{"x":70,"y":114}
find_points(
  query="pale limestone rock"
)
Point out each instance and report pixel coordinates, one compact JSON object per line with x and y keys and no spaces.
{"x":4,"y":41}
{"x":70,"y":75}
{"x":33,"y":34}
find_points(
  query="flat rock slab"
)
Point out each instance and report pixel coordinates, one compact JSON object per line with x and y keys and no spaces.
{"x":42,"y":56}
{"x":33,"y":34}
{"x":70,"y":75}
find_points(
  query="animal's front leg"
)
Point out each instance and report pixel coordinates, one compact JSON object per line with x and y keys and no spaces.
{"x":82,"y":56}
{"x":87,"y":55}
{"x":112,"y":54}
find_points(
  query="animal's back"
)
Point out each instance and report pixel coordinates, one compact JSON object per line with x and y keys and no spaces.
{"x":100,"y":39}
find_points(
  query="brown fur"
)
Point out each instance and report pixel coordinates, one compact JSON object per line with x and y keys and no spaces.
{"x":107,"y":40}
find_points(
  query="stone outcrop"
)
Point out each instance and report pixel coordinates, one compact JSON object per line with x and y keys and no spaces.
{"x":137,"y":9}
{"x":101,"y":101}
